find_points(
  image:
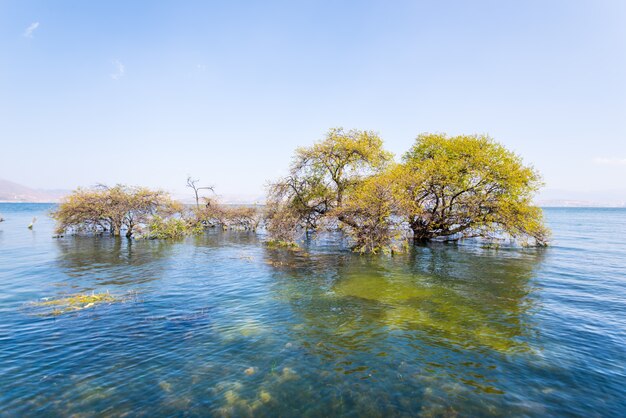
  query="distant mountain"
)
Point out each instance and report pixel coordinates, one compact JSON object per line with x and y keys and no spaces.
{"x":579,"y":204}
{"x":13,"y":192}
{"x":565,"y":198}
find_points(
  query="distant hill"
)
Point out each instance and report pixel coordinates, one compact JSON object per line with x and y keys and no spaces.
{"x":563,"y":203}
{"x":13,"y":192}
{"x":565,"y":198}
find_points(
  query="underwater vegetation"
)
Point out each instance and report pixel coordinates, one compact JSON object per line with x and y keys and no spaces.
{"x":76,"y":302}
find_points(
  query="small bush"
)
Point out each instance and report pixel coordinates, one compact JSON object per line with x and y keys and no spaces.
{"x":171,"y":228}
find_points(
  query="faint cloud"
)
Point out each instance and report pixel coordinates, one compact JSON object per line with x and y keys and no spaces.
{"x":120,"y":70}
{"x":201,"y":67}
{"x":609,"y":161}
{"x":28,"y":33}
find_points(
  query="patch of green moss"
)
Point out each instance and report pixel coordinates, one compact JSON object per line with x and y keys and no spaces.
{"x":282,"y":244}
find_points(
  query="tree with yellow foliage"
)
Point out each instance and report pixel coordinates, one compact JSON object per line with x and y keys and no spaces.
{"x":319,"y":178}
{"x":112,"y":210}
{"x":468,"y":186}
{"x":446,"y":188}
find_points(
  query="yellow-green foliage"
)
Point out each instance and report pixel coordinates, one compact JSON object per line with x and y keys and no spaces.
{"x":468,"y":186}
{"x":112,"y":209}
{"x":369,"y":216}
{"x":446,"y":188}
{"x":273,"y":243}
{"x":171,"y":228}
{"x":343,"y":158}
{"x":319,"y":178}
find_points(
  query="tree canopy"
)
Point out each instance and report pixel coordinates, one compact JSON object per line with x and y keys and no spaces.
{"x":112,"y":210}
{"x":445,"y":188}
{"x":468,"y":186}
{"x":319,"y":178}
{"x":150,"y":213}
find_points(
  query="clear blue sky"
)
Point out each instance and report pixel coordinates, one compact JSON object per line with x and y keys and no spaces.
{"x":148,"y":92}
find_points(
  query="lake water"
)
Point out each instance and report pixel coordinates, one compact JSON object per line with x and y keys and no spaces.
{"x":221,"y":325}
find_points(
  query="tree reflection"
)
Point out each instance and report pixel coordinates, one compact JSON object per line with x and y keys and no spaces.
{"x":461,"y":298}
{"x":437,"y":318}
{"x":217,"y":238}
{"x":112,"y":261}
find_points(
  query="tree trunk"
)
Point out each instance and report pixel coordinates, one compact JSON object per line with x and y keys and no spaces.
{"x":347,"y":221}
{"x":419,"y":237}
{"x":421,"y":234}
{"x":116,"y":228}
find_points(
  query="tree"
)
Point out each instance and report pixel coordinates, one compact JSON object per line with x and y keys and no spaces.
{"x":112,"y":209}
{"x":244,"y":218}
{"x":321,"y":175}
{"x":468,"y":186}
{"x":192,"y":183}
{"x":213,"y":214}
{"x":282,"y":222}
{"x":370,"y":215}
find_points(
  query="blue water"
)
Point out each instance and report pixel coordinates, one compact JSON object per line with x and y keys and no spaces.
{"x":221,"y":325}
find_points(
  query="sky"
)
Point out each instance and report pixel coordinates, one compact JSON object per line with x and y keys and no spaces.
{"x":149,"y":92}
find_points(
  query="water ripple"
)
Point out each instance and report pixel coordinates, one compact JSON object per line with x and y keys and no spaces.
{"x":220,"y":325}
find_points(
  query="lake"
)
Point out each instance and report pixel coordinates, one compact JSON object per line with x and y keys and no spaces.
{"x":221,"y":325}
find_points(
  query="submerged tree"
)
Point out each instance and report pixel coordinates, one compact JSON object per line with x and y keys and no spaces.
{"x":370,"y":215}
{"x":246,"y":218}
{"x":319,"y":178}
{"x":446,"y":188}
{"x":112,"y":210}
{"x":282,"y":222}
{"x":468,"y":186}
{"x":239,"y":217}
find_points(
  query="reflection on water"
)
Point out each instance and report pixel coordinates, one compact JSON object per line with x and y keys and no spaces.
{"x":362,"y":314}
{"x":482,"y":304}
{"x":112,"y":261}
{"x":224,"y":326}
{"x":215,"y":238}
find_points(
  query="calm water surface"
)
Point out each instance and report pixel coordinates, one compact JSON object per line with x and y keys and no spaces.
{"x":221,"y":325}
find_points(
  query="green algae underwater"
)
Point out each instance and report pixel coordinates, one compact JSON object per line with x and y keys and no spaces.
{"x":222,"y":325}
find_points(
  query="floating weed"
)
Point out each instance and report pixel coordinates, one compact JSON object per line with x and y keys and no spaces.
{"x":76,"y":302}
